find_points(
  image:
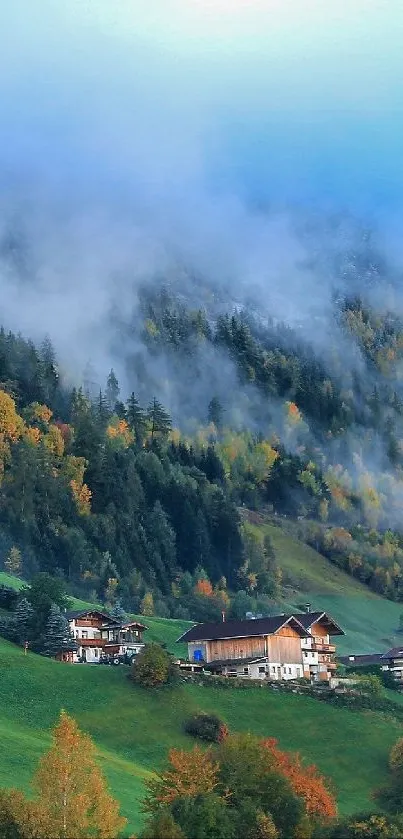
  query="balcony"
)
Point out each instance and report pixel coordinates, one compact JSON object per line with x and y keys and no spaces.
{"x":318,"y":647}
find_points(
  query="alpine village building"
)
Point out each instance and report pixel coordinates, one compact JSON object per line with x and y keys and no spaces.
{"x":97,"y":634}
{"x":280,"y":647}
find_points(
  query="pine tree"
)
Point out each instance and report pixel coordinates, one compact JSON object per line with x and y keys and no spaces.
{"x":136,"y":418}
{"x":23,"y":621}
{"x":215,"y":412}
{"x":13,"y":562}
{"x":112,"y":390}
{"x":57,"y":633}
{"x":159,"y":418}
{"x":102,"y":409}
{"x":73,"y":794}
{"x":118,"y":613}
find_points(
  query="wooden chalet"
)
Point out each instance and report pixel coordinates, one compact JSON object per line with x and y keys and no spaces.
{"x":280,"y":647}
{"x":261,"y":648}
{"x":96,"y":633}
{"x":319,"y":654}
{"x":392,"y":661}
{"x":352,"y":662}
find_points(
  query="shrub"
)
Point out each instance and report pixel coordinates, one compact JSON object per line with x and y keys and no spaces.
{"x":153,"y":667}
{"x":370,"y":684}
{"x":207,"y":727}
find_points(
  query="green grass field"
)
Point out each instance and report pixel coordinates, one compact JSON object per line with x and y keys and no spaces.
{"x":134,"y":729}
{"x":370,"y":621}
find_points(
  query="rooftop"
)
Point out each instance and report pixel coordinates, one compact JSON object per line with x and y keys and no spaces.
{"x":241,"y":629}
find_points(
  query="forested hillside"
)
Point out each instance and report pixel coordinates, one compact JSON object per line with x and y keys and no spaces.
{"x":128,"y":502}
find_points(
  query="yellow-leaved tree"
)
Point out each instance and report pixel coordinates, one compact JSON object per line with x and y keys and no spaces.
{"x":72,"y":793}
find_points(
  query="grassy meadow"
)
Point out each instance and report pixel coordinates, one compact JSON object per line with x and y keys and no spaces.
{"x":134,"y":729}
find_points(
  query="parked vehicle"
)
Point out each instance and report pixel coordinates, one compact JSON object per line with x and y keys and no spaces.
{"x":125,"y":658}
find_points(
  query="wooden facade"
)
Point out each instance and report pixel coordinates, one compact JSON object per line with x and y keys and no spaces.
{"x":279,"y":647}
{"x":284,"y":646}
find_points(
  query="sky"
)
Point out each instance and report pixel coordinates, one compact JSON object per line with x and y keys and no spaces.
{"x":134,"y":130}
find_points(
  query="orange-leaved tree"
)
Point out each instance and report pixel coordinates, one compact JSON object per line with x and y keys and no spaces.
{"x":190,"y":774}
{"x":72,"y":792}
{"x":306,"y":781}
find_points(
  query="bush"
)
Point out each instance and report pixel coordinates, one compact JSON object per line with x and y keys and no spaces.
{"x":8,"y":598}
{"x":207,"y":727}
{"x":153,"y":667}
{"x":370,"y":684}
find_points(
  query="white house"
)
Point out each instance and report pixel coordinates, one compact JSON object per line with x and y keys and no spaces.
{"x":97,"y":634}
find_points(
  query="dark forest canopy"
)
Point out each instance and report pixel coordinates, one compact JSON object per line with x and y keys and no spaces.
{"x":126,"y":503}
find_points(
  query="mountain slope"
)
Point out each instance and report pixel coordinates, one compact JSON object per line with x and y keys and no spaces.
{"x":370,"y":621}
{"x":134,"y":729}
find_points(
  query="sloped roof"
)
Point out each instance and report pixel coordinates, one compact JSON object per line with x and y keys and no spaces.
{"x":241,"y":629}
{"x":309,"y":618}
{"x":395,"y":652}
{"x":81,"y":613}
{"x":361,"y":660}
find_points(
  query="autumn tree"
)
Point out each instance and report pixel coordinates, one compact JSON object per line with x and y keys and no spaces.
{"x":71,"y":788}
{"x":306,"y":782}
{"x":188,"y":775}
{"x":147,"y":604}
{"x":19,"y":817}
{"x":13,"y":562}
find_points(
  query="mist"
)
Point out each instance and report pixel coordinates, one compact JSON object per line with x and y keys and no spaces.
{"x":193,"y":142}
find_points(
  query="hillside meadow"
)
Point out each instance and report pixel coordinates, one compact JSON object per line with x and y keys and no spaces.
{"x":134,"y":729}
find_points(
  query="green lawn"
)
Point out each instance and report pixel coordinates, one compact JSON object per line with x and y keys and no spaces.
{"x":134,"y":729}
{"x":370,"y":622}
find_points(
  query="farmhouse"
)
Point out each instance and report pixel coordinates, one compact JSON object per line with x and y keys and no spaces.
{"x":96,"y":634}
{"x":280,"y":647}
{"x":362,"y":660}
{"x":317,"y":651}
{"x":393,"y":662}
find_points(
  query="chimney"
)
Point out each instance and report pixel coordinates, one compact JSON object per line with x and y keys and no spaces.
{"x":223,"y":616}
{"x":307,"y":607}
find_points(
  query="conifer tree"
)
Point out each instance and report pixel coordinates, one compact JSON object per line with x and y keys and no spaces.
{"x":136,"y":418}
{"x":118,"y":612}
{"x":159,"y":418}
{"x":112,"y":390}
{"x":57,"y":633}
{"x":215,"y":412}
{"x":102,"y":409}
{"x":23,"y":621}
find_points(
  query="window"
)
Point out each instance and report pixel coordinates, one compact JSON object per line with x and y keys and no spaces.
{"x":306,"y":654}
{"x":246,"y":670}
{"x":273,"y":669}
{"x":84,"y":634}
{"x":289,"y":669}
{"x":261,"y":669}
{"x":95,"y":653}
